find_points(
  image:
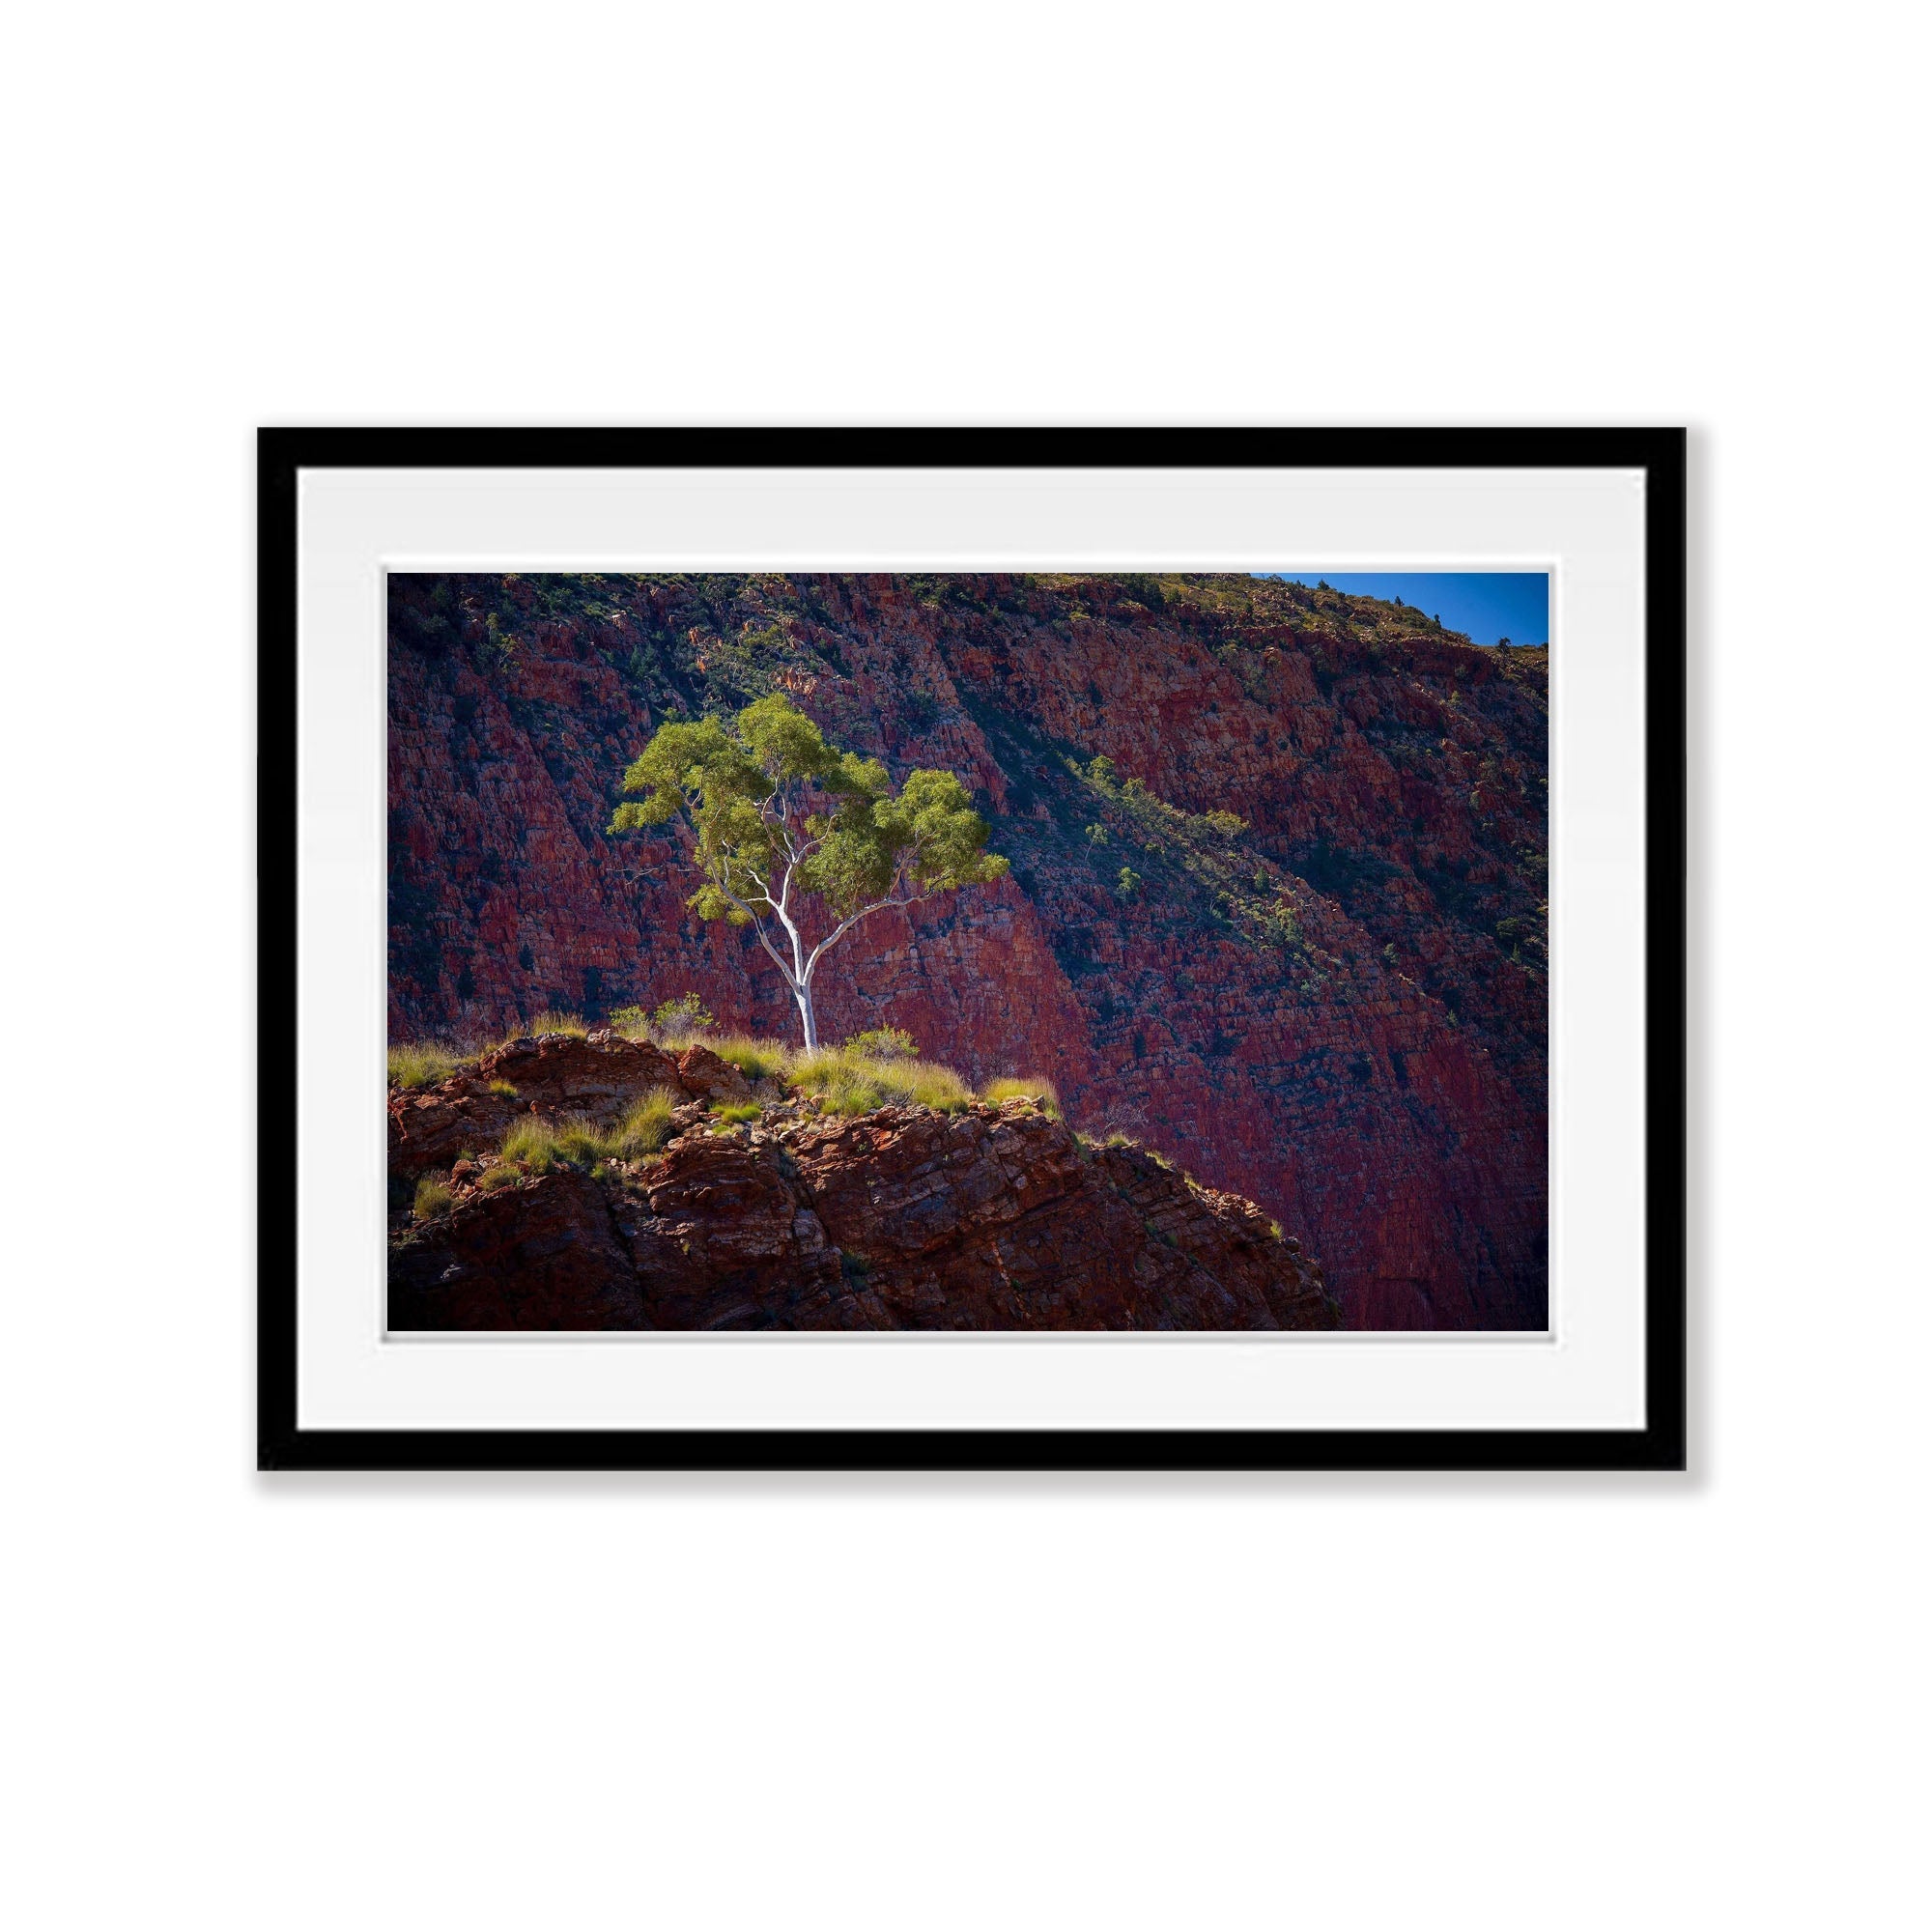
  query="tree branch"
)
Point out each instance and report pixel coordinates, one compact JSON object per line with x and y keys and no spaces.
{"x":758,"y":926}
{"x":845,"y":925}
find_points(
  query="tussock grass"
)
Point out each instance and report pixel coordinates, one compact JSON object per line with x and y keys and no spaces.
{"x":755,"y":1059}
{"x":575,"y":1141}
{"x":871,"y":1071}
{"x":424,"y":1062}
{"x":849,"y":1083}
{"x":1040,"y":1091}
{"x":884,"y":1044}
{"x":844,"y":1080}
{"x":535,"y":1142}
{"x":544,"y":1145}
{"x":494,"y":1177}
{"x":644,"y":1128}
{"x":578,"y":1143}
{"x":433,"y":1198}
{"x":427,"y":1062}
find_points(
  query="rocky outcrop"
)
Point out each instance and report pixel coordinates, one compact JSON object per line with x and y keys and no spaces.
{"x":597,"y":1076}
{"x":1338,"y":1012}
{"x":991,"y":1218}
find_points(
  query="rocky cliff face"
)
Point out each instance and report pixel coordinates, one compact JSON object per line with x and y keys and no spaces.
{"x":1335,"y":1006}
{"x":988,"y":1217}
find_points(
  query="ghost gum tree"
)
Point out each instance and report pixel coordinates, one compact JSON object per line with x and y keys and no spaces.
{"x":794,"y":835}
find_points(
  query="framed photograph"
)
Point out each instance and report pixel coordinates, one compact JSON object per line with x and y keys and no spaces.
{"x":972,"y":949}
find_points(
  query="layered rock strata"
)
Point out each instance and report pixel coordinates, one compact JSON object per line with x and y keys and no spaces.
{"x":995,"y":1218}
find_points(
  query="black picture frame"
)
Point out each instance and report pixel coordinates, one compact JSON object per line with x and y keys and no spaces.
{"x":1660,"y":1444}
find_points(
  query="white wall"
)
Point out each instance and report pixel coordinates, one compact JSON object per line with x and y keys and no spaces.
{"x":409,"y":1703}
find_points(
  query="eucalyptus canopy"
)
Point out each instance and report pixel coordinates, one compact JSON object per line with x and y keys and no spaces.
{"x":793,"y":835}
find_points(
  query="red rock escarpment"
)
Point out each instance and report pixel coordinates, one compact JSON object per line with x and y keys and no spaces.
{"x":1339,"y":1012}
{"x":994,"y":1218}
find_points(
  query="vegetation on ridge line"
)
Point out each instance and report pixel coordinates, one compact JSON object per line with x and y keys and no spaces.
{"x":675,"y":1024}
{"x":428,"y":1063}
{"x":1041,"y":1093}
{"x":844,"y":1082}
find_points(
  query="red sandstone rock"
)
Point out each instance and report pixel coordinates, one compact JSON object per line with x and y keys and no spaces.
{"x":560,"y":1073}
{"x":595,"y":1077}
{"x":706,"y":1077}
{"x":994,"y":1218}
{"x":542,"y":1254}
{"x":431,"y":1129}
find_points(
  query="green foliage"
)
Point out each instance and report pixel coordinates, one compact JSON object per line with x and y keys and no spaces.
{"x":535,"y":1142}
{"x":738,"y":789}
{"x":502,"y":1090}
{"x":1040,"y":1091}
{"x":737,"y":1116}
{"x":433,"y":1198}
{"x":746,"y":659}
{"x":680,"y":1021}
{"x":1146,"y":592}
{"x":846,"y":1083}
{"x":1149,"y":814}
{"x":544,"y":1143}
{"x":644,"y":1129}
{"x":1202,"y":844}
{"x":497,"y":650}
{"x":579,"y":1142}
{"x":1279,"y":922}
{"x":877,"y":1068}
{"x":882,"y":1043}
{"x":551,"y":1021}
{"x":422,"y":1063}
{"x":494,"y":1177}
{"x":676,"y":1023}
{"x":755,"y":1059}
{"x":779,"y":817}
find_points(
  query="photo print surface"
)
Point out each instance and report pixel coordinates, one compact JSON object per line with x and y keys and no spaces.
{"x":968,"y":953}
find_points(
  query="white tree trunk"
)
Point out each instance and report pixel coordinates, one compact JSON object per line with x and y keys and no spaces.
{"x":802,"y":992}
